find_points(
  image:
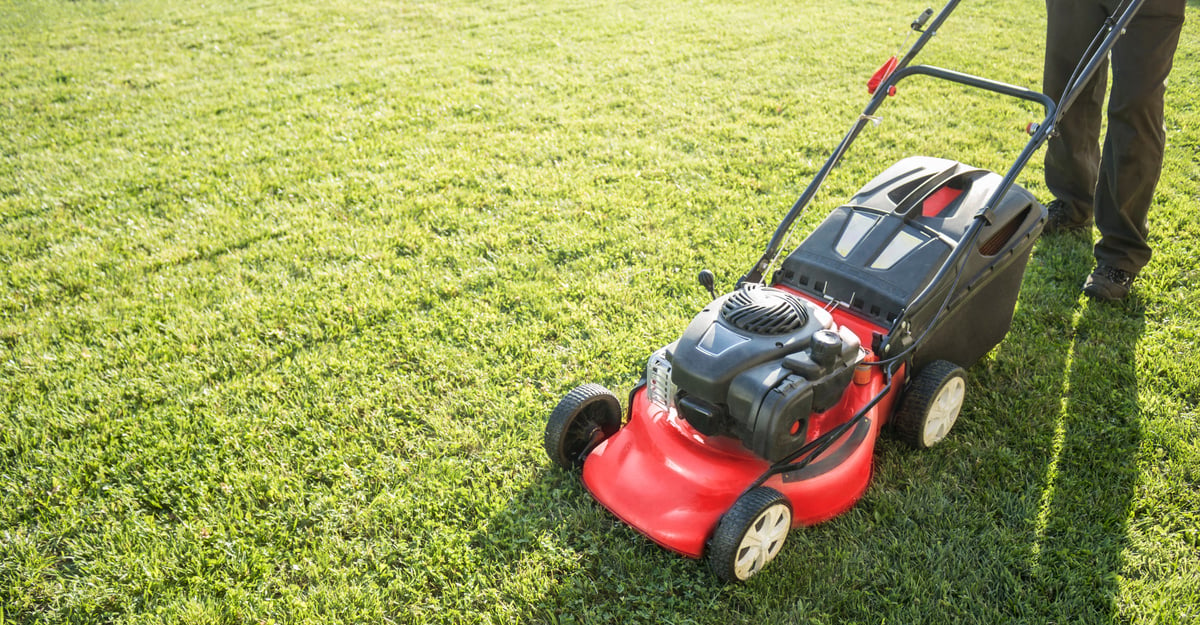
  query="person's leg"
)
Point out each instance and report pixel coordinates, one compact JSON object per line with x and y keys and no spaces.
{"x":1073,"y":153}
{"x":1135,"y":139}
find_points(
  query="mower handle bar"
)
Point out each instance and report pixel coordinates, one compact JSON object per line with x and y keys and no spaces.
{"x":1088,"y":67}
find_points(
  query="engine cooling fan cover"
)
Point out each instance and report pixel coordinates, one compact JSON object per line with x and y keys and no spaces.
{"x":764,"y":310}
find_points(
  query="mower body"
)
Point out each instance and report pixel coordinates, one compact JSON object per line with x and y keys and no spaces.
{"x":765,"y":413}
{"x":763,"y":371}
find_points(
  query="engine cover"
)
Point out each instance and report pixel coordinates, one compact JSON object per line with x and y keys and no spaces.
{"x":756,"y":363}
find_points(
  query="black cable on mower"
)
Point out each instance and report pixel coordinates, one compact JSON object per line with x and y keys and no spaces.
{"x":807,"y":454}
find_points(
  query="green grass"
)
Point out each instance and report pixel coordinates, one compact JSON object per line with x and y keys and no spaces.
{"x":289,"y":289}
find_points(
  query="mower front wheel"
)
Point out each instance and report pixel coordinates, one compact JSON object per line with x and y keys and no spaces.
{"x":931,"y":404}
{"x":582,"y":419}
{"x":750,"y":534}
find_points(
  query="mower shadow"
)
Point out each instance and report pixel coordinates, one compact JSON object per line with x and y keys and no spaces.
{"x":1020,"y":516}
{"x":1084,"y":438}
{"x":611,"y":571}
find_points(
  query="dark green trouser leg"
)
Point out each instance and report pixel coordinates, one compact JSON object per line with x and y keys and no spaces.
{"x":1115,"y":185}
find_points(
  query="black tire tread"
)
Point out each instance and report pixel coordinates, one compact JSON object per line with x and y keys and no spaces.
{"x":566,"y":415}
{"x":909,"y":420}
{"x":722,"y":549}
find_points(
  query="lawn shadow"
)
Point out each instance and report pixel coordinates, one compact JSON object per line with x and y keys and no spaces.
{"x":600,"y":569}
{"x":1080,"y":525}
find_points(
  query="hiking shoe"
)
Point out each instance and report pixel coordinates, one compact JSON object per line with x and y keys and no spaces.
{"x":1059,"y":221}
{"x":1108,"y":283}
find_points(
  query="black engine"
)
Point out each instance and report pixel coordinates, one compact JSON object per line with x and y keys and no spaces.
{"x":757,"y":363}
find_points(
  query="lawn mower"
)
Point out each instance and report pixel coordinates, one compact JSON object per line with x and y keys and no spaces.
{"x":764,"y":414}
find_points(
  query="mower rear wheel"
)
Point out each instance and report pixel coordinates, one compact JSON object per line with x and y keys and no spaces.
{"x":931,"y":404}
{"x":750,"y":534}
{"x":582,"y":419}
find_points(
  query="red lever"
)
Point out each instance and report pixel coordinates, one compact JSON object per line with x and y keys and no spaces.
{"x":881,"y":75}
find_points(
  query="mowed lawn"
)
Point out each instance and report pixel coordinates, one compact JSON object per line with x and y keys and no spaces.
{"x":288,"y":290}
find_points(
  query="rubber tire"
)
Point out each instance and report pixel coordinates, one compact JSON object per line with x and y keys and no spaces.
{"x":931,"y":404}
{"x":748,"y":514}
{"x":581,"y":414}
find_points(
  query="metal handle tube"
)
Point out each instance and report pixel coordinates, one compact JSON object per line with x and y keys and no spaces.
{"x":759,"y":269}
{"x":977,"y":82}
{"x":1090,"y":65}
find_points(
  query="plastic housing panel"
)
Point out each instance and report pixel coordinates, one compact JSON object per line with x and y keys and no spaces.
{"x":879,"y":251}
